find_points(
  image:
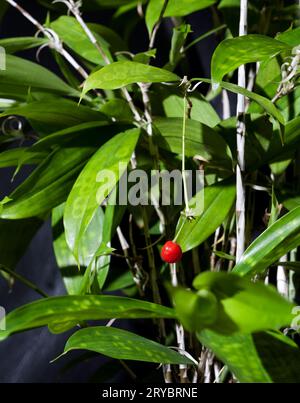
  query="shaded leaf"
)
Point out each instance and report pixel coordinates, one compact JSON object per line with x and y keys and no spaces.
{"x":265,"y":103}
{"x":273,"y":243}
{"x":73,"y":309}
{"x":13,"y":45}
{"x":12,"y":157}
{"x":123,"y":345}
{"x":48,"y":185}
{"x":244,"y":306}
{"x":261,"y":357}
{"x":23,"y":73}
{"x":218,"y":201}
{"x":202,"y":111}
{"x":53,"y":115}
{"x":201,"y":140}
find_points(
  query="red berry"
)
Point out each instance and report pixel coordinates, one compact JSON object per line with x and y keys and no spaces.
{"x":171,"y":252}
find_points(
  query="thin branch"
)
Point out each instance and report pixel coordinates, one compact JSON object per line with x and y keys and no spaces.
{"x":241,"y":133}
{"x":23,"y":280}
{"x":204,"y":36}
{"x":74,"y":9}
{"x":54,"y":41}
{"x":179,"y":328}
{"x":157,"y":25}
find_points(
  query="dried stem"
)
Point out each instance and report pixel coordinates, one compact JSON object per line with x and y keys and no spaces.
{"x":241,"y":132}
{"x":179,"y":329}
{"x":74,"y":9}
{"x":54,"y":41}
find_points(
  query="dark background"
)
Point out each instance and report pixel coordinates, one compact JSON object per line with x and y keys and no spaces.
{"x":25,"y":357}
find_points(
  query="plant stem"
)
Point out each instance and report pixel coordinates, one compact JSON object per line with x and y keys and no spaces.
{"x":23,"y":280}
{"x":75,"y":11}
{"x":157,"y":25}
{"x":179,"y":328}
{"x":185,"y":190}
{"x":241,"y":133}
{"x":56,"y":44}
{"x":204,"y":36}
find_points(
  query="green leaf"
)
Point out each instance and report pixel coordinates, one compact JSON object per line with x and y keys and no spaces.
{"x":86,"y":130}
{"x":202,"y":110}
{"x":53,"y":115}
{"x":119,"y":74}
{"x":178,"y":40}
{"x":153,"y":13}
{"x":244,"y":306}
{"x":74,"y":309}
{"x":13,"y":45}
{"x":123,"y":345}
{"x":84,"y":198}
{"x":201,"y":140}
{"x":258,"y":358}
{"x":174,"y":8}
{"x":274,"y":242}
{"x":218,"y":201}
{"x":195,"y":311}
{"x":48,"y":185}
{"x":73,"y":276}
{"x":265,"y":103}
{"x":180,"y":8}
{"x":118,"y":109}
{"x":22,"y":73}
{"x":12,"y":157}
{"x":232,"y":53}
{"x":71,"y":32}
{"x":290,"y":37}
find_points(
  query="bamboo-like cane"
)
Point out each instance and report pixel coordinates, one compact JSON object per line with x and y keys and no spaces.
{"x":54,"y":40}
{"x":241,"y":132}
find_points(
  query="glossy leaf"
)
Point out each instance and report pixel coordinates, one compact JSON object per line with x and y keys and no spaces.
{"x":88,"y":133}
{"x":84,"y":200}
{"x":181,"y":8}
{"x":70,"y":310}
{"x":73,"y":276}
{"x":232,"y":53}
{"x":259,"y":358}
{"x":48,"y":185}
{"x":273,"y":243}
{"x":12,"y":157}
{"x":174,"y":8}
{"x":202,"y":111}
{"x":218,"y":201}
{"x":290,"y":37}
{"x":244,"y":306}
{"x":265,"y":103}
{"x":70,"y":31}
{"x":201,"y":141}
{"x":13,"y":45}
{"x":53,"y":115}
{"x":120,"y":74}
{"x":123,"y":345}
{"x":23,"y":73}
